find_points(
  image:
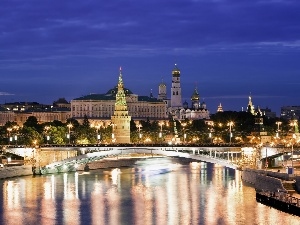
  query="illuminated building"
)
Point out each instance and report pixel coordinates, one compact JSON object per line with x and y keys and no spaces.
{"x":290,"y":112}
{"x":102,"y":106}
{"x":180,"y":111}
{"x":197,"y":111}
{"x":121,"y":120}
{"x":250,"y":107}
{"x":220,"y":108}
{"x":20,"y":111}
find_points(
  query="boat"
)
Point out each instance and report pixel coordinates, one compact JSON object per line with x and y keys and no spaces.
{"x":279,"y":200}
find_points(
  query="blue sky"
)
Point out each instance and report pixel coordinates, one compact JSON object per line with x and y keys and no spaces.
{"x":227,"y":48}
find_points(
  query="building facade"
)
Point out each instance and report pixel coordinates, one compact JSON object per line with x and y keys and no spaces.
{"x":102,"y":106}
{"x":19,"y":113}
{"x":290,"y":112}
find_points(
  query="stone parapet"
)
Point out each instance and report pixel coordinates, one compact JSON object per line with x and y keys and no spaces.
{"x":262,"y":180}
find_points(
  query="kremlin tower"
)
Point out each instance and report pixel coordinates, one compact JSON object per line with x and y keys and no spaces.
{"x":176,"y":101}
{"x":120,"y":119}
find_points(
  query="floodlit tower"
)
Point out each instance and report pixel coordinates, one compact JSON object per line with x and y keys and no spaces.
{"x":176,"y":101}
{"x":250,"y":107}
{"x":162,"y":91}
{"x":121,"y":119}
{"x":220,"y":108}
{"x":195,"y":99}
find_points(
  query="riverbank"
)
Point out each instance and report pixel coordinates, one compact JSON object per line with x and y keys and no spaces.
{"x":15,"y":171}
{"x":265,"y":180}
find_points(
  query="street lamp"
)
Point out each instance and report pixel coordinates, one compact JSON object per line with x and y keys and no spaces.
{"x":294,"y":123}
{"x":211,"y":124}
{"x":97,"y":126}
{"x":9,"y":138}
{"x":46,"y":128}
{"x":16,"y":128}
{"x":278,"y":124}
{"x":139,"y":127}
{"x":230,"y":124}
{"x":161,"y":124}
{"x":293,"y":141}
{"x":184,"y":134}
{"x":112,"y":134}
{"x":69,"y":134}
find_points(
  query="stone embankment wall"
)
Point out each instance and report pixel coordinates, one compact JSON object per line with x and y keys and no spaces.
{"x":262,"y":180}
{"x":15,"y":171}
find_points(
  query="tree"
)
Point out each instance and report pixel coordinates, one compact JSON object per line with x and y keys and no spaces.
{"x":132,"y":126}
{"x":30,"y":136}
{"x":73,"y":121}
{"x":58,"y":135}
{"x":57,"y":123}
{"x":33,"y":123}
{"x":86,"y":123}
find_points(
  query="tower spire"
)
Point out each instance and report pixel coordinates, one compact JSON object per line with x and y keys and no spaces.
{"x":121,"y":119}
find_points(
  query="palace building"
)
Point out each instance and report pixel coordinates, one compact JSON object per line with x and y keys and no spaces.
{"x":102,"y":106}
{"x":19,"y":112}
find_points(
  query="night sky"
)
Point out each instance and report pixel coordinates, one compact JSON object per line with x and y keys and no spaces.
{"x":227,"y":48}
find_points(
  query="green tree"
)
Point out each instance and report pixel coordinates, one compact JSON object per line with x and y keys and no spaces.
{"x":30,"y":135}
{"x":57,"y":135}
{"x":32,"y":122}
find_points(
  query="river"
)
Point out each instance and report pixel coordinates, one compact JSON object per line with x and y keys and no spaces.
{"x":161,"y":191}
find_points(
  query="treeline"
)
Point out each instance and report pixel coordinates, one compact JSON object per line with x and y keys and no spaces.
{"x":244,"y":124}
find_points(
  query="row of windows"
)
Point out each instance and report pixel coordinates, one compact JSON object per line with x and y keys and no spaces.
{"x":144,"y":109}
{"x":81,"y":114}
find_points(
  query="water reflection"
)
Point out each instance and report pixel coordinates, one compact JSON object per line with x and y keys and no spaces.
{"x":155,"y":191}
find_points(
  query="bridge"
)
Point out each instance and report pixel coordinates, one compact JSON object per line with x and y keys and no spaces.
{"x":53,"y":159}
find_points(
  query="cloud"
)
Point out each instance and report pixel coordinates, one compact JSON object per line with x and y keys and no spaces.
{"x":243,"y":97}
{"x":5,"y":94}
{"x":48,"y":28}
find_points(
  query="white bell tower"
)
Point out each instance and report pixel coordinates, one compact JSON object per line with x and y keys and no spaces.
{"x":176,"y":100}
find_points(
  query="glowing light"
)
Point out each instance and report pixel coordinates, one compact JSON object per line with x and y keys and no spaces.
{"x":114,"y":175}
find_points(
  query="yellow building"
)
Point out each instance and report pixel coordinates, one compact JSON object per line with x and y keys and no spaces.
{"x":19,"y":113}
{"x":102,"y":106}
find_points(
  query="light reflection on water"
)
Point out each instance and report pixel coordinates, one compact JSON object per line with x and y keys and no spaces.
{"x":155,"y":191}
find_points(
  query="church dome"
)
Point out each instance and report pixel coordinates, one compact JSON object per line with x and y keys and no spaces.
{"x":176,"y":71}
{"x":162,"y":84}
{"x":195,"y":95}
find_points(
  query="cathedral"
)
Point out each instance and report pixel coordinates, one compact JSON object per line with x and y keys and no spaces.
{"x":178,"y":110}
